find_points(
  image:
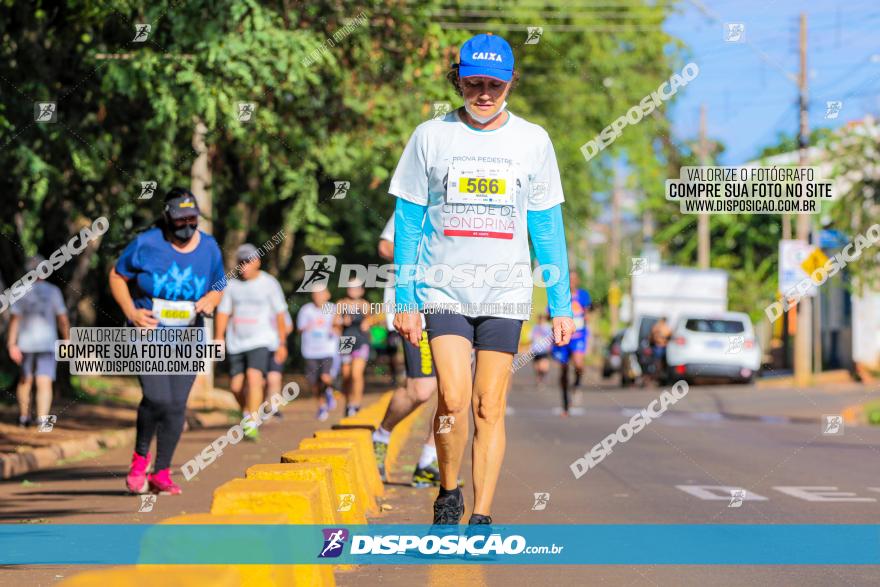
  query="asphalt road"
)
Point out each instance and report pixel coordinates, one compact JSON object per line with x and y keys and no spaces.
{"x":716,"y":436}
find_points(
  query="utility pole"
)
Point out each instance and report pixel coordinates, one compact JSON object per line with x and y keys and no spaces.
{"x":614,"y":252}
{"x":803,"y":336}
{"x":703,"y":219}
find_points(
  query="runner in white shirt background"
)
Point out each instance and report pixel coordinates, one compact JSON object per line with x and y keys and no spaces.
{"x":471,"y":189}
{"x":37,"y":318}
{"x":249,"y":303}
{"x":316,"y":322}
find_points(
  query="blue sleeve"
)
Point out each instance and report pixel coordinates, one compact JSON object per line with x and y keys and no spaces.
{"x":408,"y":220}
{"x":548,"y":237}
{"x":127,"y":265}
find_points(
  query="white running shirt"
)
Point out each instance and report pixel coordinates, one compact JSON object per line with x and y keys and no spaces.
{"x":517,"y":164}
{"x":252,"y":305}
{"x":318,"y":339}
{"x":39,"y":309}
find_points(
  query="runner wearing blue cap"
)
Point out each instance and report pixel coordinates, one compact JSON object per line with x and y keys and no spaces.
{"x":471,"y":189}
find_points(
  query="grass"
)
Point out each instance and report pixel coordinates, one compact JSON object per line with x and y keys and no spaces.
{"x":872,"y":411}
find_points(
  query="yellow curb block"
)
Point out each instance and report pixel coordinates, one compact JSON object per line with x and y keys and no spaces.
{"x":322,"y":475}
{"x":359,"y":466}
{"x":183,"y":576}
{"x":299,"y":500}
{"x":370,"y":416}
{"x":399,"y":436}
{"x":344,"y":476}
{"x":251,"y":575}
{"x":364,"y":441}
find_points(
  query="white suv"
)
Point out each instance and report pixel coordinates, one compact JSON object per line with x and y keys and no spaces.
{"x":719,"y":345}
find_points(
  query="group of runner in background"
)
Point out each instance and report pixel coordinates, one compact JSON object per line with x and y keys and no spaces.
{"x":252,"y":319}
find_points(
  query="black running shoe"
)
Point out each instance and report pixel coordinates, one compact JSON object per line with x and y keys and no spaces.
{"x":449,"y":508}
{"x":479,"y":519}
{"x":380,"y":450}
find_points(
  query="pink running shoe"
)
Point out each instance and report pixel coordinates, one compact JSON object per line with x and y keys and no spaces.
{"x":161,"y":483}
{"x":136,"y":481}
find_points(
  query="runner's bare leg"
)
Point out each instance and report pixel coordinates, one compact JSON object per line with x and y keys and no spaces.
{"x":452,"y":361}
{"x":491,"y":382}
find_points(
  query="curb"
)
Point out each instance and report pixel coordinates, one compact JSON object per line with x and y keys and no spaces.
{"x":14,"y":465}
{"x":816,"y":379}
{"x":46,"y":457}
{"x":300,"y":501}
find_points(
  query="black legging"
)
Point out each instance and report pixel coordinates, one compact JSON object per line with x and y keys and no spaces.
{"x":161,"y":413}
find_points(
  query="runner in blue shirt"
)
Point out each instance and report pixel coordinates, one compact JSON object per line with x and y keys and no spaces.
{"x":577,"y":348}
{"x":168,"y":276}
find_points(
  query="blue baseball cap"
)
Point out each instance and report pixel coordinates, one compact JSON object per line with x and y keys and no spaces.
{"x":486,"y":55}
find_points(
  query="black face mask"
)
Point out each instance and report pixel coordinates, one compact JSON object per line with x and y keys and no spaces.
{"x":183,"y":233}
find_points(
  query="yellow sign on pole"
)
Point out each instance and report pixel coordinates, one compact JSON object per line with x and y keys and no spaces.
{"x":614,"y":295}
{"x":814,"y":260}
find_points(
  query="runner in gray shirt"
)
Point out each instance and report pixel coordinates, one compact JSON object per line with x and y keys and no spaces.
{"x":37,"y":318}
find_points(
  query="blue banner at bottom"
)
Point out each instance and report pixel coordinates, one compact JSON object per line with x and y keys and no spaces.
{"x":611,"y":544}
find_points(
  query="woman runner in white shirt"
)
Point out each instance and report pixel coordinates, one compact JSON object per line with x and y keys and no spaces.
{"x":471,"y":189}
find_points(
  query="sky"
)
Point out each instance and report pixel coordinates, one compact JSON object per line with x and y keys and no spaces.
{"x":745,"y":87}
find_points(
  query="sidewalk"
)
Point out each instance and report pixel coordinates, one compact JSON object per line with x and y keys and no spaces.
{"x":91,"y":490}
{"x":777,"y":402}
{"x":102,"y":419}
